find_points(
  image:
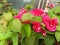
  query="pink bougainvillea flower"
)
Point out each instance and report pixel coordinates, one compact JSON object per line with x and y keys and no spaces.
{"x":37,"y":26}
{"x":19,"y":15}
{"x":43,"y":32}
{"x":37,"y":12}
{"x":50,"y":24}
{"x":45,"y":18}
{"x":55,"y":21}
{"x":51,"y":6}
{"x":22,"y":11}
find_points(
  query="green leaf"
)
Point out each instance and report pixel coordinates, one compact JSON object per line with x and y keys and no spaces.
{"x":51,"y":12}
{"x":54,"y":12}
{"x":6,"y":35}
{"x":3,"y":42}
{"x":50,"y":32}
{"x":27,"y":16}
{"x":37,"y":19}
{"x":29,"y":6}
{"x":27,"y":29}
{"x":30,"y":40}
{"x":39,"y":36}
{"x":49,"y":40}
{"x":7,"y":16}
{"x":22,"y":40}
{"x":3,"y":22}
{"x":2,"y":29}
{"x":57,"y":35}
{"x":58,"y":19}
{"x":58,"y":28}
{"x":15,"y":25}
{"x":0,"y":5}
{"x":15,"y":39}
{"x":57,"y":9}
{"x":22,"y":31}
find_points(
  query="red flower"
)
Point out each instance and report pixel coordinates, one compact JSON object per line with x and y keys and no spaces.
{"x":50,"y":24}
{"x":37,"y":26}
{"x":19,"y":15}
{"x":37,"y":12}
{"x":26,"y":22}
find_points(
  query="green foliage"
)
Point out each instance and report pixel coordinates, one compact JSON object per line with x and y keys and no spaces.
{"x":39,"y":36}
{"x":3,"y":22}
{"x":50,"y":32}
{"x":15,"y":25}
{"x":29,"y":6}
{"x":3,"y":42}
{"x":57,"y":9}
{"x":51,"y":12}
{"x":30,"y":40}
{"x":55,"y":12}
{"x":58,"y":28}
{"x":2,"y":29}
{"x":37,"y":19}
{"x":6,"y":35}
{"x":27,"y":16}
{"x":0,"y":5}
{"x":57,"y":35}
{"x":6,"y":21}
{"x":27,"y":29}
{"x":7,"y":16}
{"x":15,"y":39}
{"x":49,"y":40}
{"x":16,"y":30}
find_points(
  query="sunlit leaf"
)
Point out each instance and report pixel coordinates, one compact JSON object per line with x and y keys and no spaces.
{"x":49,"y":40}
{"x":57,"y":35}
{"x":27,"y":29}
{"x":15,"y":39}
{"x":15,"y":25}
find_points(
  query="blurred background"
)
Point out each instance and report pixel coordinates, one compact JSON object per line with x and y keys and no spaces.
{"x":17,"y":4}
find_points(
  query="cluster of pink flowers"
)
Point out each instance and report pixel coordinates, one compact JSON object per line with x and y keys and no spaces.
{"x":50,"y":24}
{"x":37,"y":12}
{"x":37,"y":28}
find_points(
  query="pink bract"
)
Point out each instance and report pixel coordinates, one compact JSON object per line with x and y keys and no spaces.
{"x":37,"y":12}
{"x":51,"y":6}
{"x":19,"y":15}
{"x":45,"y":18}
{"x":36,"y":26}
{"x":50,"y":24}
{"x":43,"y":32}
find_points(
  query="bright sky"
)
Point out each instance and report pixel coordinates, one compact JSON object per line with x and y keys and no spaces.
{"x":26,"y":0}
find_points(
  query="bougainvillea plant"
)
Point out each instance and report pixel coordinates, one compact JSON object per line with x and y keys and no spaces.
{"x":30,"y":27}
